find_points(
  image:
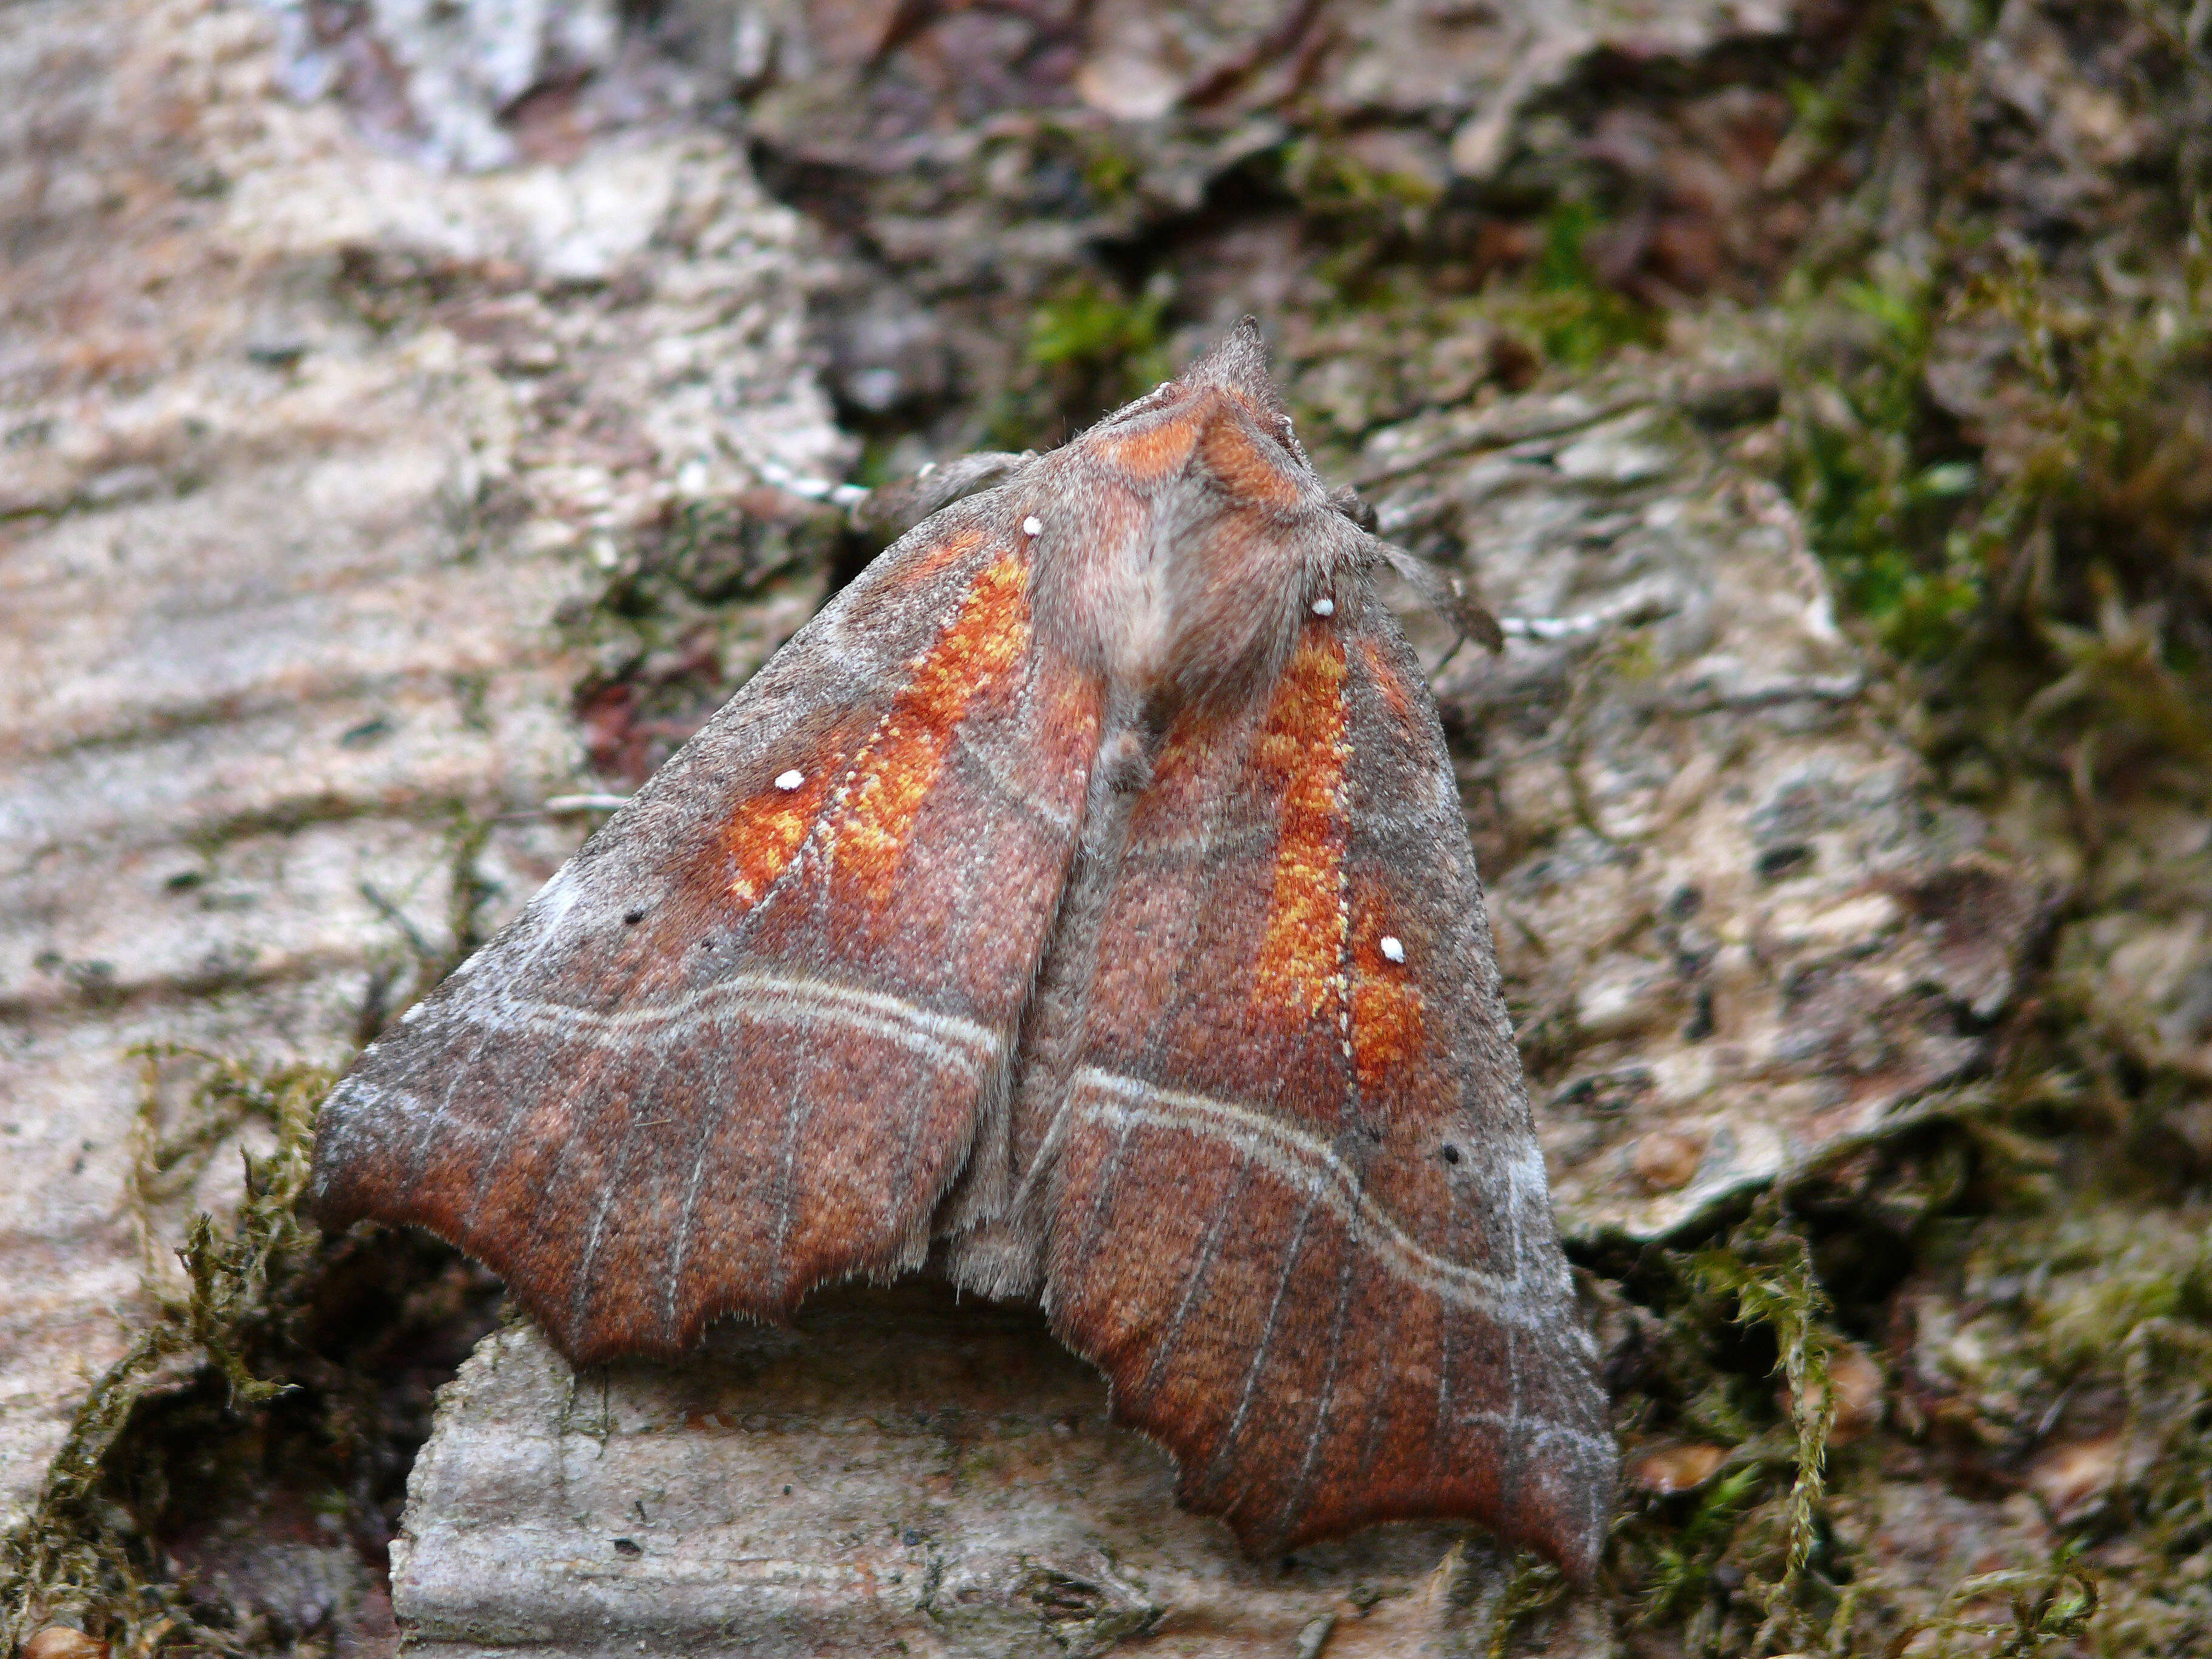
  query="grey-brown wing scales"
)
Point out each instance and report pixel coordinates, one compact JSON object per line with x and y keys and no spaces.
{"x":741,"y":1043}
{"x":1299,"y":1213}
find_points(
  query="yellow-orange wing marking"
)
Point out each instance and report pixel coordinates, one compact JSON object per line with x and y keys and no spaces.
{"x":767,"y":830}
{"x":1386,"y":1026}
{"x":869,"y":821}
{"x":1299,"y":969}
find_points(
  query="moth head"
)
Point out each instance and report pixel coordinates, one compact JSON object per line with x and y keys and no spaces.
{"x":1239,"y":366}
{"x":1236,"y":369}
{"x":1182,"y":539}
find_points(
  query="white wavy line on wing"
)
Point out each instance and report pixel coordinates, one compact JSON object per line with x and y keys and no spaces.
{"x":1540,"y":1431}
{"x":1300,"y":1158}
{"x":765,"y":996}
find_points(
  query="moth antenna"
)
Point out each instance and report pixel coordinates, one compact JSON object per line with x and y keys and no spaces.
{"x":1445,"y":593}
{"x":894,"y":508}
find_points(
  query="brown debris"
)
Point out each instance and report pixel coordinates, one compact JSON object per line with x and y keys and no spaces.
{"x":1681,"y":1466}
{"x":2074,"y":1479}
{"x":1666,"y":1159}
{"x":61,"y":1642}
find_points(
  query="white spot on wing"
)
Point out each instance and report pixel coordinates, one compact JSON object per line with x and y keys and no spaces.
{"x":790,"y":780}
{"x":1324,"y":607}
{"x":1032,"y":526}
{"x":1394,"y":947}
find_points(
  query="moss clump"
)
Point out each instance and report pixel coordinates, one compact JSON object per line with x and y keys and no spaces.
{"x":1091,"y":346}
{"x":1769,"y":1270}
{"x":1330,"y":185}
{"x":2037,"y":513}
{"x":1085,"y":327}
{"x":1685,"y":1572}
{"x":1740,"y":1559}
{"x":1999,"y":350}
{"x":2060,"y":1347}
{"x":1573,"y":319}
{"x":77,"y":1555}
{"x":1882,"y":479}
{"x":288,"y":1374}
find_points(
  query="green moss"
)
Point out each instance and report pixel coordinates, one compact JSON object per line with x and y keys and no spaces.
{"x":78,"y":1555}
{"x":285,"y":1375}
{"x":2086,"y":1303}
{"x":2037,"y":528}
{"x":1768,"y":1269}
{"x":1881,"y":485}
{"x":1561,"y":308}
{"x":1108,"y":174}
{"x":2103,"y":486}
{"x":1329,"y":182}
{"x":1681,"y":1575}
{"x":1090,"y":348}
{"x":1088,"y":330}
{"x":2044,"y":1610}
{"x":1749,"y":1538}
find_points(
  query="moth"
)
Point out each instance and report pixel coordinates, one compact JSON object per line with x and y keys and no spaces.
{"x":1082,"y":900}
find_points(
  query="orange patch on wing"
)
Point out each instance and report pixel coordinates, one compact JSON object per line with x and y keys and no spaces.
{"x":1243,"y":465}
{"x":951,"y":551}
{"x":1300,"y":965}
{"x":768,"y":827}
{"x":1388,"y":1028}
{"x":1387,"y":681}
{"x":896,"y":771}
{"x":1152,"y":452}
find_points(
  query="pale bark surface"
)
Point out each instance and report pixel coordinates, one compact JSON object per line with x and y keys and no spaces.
{"x":282,"y":573}
{"x":905,"y":1467}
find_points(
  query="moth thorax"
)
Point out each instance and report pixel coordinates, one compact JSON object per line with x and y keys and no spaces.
{"x":1199,"y":602}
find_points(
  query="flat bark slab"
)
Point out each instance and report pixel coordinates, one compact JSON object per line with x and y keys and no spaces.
{"x":903,"y":1471}
{"x":1740,"y":932}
